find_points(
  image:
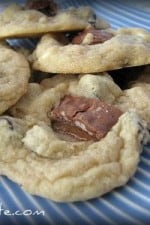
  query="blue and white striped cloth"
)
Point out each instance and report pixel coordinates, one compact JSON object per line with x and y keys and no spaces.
{"x":129,"y":205}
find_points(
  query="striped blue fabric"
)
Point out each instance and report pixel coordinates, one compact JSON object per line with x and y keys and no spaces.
{"x":128,"y":205}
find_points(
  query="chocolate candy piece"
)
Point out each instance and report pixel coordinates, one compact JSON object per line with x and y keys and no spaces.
{"x":92,"y":36}
{"x":84,"y":118}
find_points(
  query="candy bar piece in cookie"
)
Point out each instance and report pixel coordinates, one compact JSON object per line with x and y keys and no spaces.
{"x":93,"y":51}
{"x":14,"y":76}
{"x":16,"y":21}
{"x":84,"y":118}
{"x":83,"y":170}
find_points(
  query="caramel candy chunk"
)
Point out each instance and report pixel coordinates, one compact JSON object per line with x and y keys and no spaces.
{"x":84,"y":118}
{"x":92,"y":36}
{"x":48,"y":7}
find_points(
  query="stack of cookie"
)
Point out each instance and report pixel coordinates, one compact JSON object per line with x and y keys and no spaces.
{"x":75,"y":112}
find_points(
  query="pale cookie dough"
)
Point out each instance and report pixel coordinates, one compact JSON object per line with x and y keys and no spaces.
{"x":82,"y":174}
{"x":128,"y":47}
{"x":14,"y":76}
{"x":18,"y":22}
{"x":40,"y":98}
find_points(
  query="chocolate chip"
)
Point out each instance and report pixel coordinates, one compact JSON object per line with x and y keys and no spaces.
{"x":48,"y":7}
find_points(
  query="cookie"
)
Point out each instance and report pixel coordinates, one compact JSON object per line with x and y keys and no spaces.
{"x":72,"y":171}
{"x":83,"y":168}
{"x":14,"y":76}
{"x":16,"y":21}
{"x":118,"y":50}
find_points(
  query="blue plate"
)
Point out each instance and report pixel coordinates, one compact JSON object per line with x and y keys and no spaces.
{"x":129,"y":205}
